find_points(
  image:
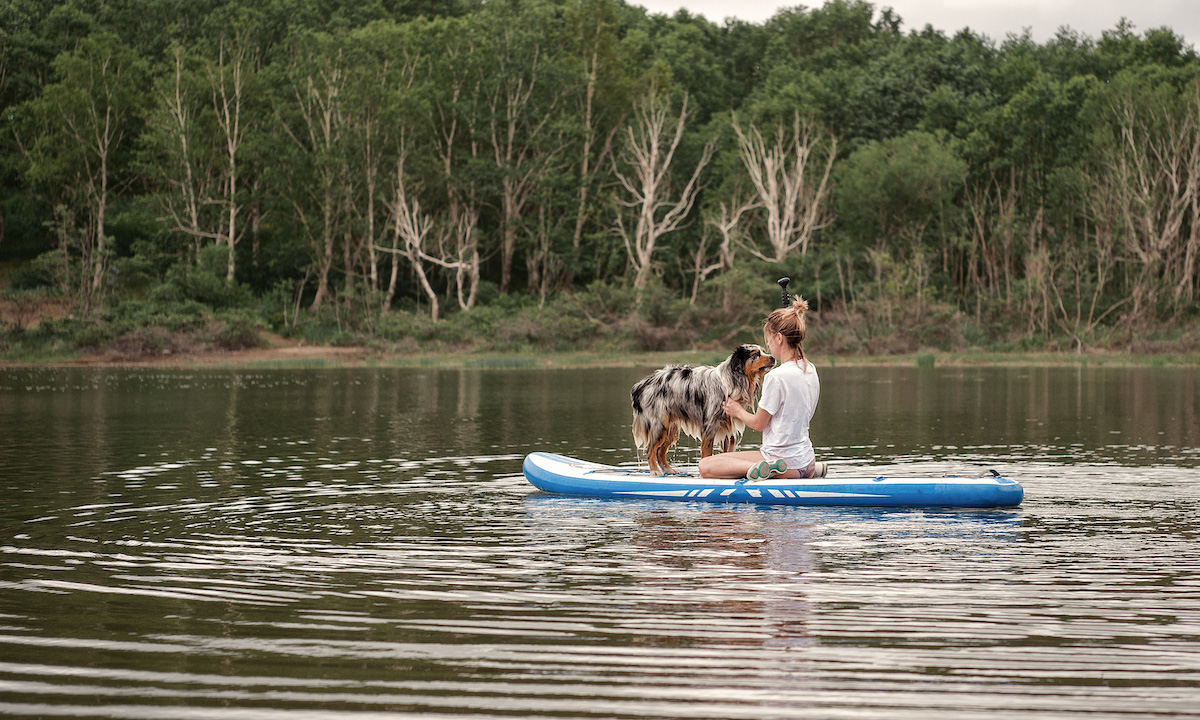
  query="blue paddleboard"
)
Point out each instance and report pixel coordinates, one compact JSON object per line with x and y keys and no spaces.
{"x":569,"y":476}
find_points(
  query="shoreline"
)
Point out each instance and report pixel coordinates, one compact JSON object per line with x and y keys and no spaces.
{"x":284,"y":355}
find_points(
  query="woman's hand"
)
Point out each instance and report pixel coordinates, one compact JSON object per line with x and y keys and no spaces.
{"x":757,"y":421}
{"x":734,"y":409}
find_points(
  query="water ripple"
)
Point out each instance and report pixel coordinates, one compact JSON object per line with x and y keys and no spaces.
{"x":336,"y":557}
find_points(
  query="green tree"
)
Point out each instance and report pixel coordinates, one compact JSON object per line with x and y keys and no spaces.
{"x":897,"y":198}
{"x":525,"y":89}
{"x":685,"y":50}
{"x":196,"y":136}
{"x":381,"y":73}
{"x":80,"y":129}
{"x":310,"y":99}
{"x":600,"y":103}
{"x":180,"y":158}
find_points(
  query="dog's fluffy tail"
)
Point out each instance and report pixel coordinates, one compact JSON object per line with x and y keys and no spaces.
{"x":645,"y":429}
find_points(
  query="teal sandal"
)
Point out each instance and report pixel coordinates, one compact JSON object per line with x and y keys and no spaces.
{"x":766,"y":469}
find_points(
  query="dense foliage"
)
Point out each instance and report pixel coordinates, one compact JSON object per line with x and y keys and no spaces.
{"x":578,"y":173}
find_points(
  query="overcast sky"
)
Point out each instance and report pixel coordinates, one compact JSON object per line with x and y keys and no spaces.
{"x":994,"y":18}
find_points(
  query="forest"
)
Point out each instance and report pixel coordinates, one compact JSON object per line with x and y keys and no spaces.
{"x":551,"y":175}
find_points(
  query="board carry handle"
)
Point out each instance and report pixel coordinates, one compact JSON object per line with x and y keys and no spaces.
{"x":783,"y":283}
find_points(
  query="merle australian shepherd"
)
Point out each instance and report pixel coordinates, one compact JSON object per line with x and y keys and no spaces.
{"x":682,"y":397}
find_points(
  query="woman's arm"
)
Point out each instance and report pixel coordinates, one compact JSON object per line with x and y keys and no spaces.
{"x":757,"y":421}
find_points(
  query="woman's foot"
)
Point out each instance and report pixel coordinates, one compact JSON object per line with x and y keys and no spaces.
{"x":766,"y":469}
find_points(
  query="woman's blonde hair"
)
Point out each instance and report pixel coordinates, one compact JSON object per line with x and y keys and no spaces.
{"x":790,"y":322}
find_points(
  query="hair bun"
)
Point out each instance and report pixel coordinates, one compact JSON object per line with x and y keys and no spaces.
{"x":800,"y":305}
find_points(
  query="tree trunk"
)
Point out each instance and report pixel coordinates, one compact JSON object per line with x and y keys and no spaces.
{"x":648,"y":154}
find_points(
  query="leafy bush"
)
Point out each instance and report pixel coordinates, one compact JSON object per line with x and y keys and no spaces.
{"x":235,"y":330}
{"x":203,"y":282}
{"x":150,"y":340}
{"x":175,"y":315}
{"x":44,"y":272}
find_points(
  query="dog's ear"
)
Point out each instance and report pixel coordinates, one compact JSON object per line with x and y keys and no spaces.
{"x":742,"y":355}
{"x":755,"y":354}
{"x":737,"y":362}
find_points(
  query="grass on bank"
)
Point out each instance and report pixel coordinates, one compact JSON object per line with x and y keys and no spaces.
{"x":598,"y":326}
{"x":261,"y":349}
{"x":918,"y":360}
{"x":646,"y":360}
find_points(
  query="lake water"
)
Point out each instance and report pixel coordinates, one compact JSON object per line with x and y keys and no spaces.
{"x":359,"y":543}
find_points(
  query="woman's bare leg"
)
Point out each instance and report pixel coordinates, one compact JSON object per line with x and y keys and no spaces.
{"x":733,"y":465}
{"x":730,"y":464}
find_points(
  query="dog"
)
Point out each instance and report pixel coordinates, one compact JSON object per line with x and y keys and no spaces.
{"x":690,"y":399}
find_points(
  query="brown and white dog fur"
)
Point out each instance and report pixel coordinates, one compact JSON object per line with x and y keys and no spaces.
{"x":690,"y":399}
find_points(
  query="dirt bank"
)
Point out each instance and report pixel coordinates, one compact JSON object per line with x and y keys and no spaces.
{"x":278,"y":352}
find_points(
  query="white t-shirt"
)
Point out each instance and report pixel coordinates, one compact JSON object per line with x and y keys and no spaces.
{"x":790,"y":394}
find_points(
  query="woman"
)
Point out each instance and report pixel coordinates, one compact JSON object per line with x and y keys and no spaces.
{"x":789,"y":397}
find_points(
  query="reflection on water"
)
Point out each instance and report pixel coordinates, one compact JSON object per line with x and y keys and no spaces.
{"x":275,"y":544}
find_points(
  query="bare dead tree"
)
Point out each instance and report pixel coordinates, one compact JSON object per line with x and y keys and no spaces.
{"x":187,"y":179}
{"x":228,"y":78}
{"x":993,"y":230}
{"x":726,"y":222}
{"x":1147,"y":185}
{"x":792,"y":193}
{"x":89,"y":111}
{"x":1189,"y":270}
{"x":318,"y":93}
{"x":643,"y":169}
{"x":454,"y":135}
{"x":458,"y":244}
{"x":396,"y":75}
{"x":1076,"y":311}
{"x":454,"y":246}
{"x":411,"y":225}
